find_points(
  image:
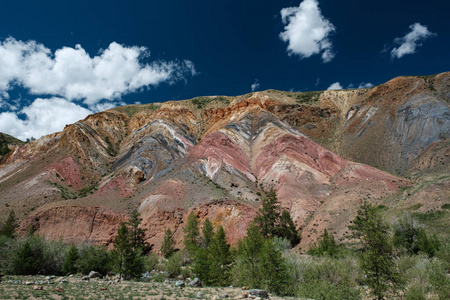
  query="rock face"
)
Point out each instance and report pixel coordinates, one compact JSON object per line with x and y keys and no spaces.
{"x":322,"y":152}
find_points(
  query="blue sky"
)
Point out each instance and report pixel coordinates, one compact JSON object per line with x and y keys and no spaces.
{"x":61,"y":60}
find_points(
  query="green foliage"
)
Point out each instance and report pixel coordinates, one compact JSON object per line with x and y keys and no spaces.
{"x":286,"y":228}
{"x":219,"y":258}
{"x":259,"y":263}
{"x":201,"y":102}
{"x":208,"y":233}
{"x":323,"y":277}
{"x":131,"y":110}
{"x":274,"y":269}
{"x":69,"y":265}
{"x":376,"y":255}
{"x":94,"y":258}
{"x":4,"y":149}
{"x":152,"y":261}
{"x":212,"y":259}
{"x":326,"y":246}
{"x":27,"y":260}
{"x":9,"y":228}
{"x":307,"y":97}
{"x":67,"y":193}
{"x":191,"y":234}
{"x":34,"y":255}
{"x":424,"y":277}
{"x":137,"y":234}
{"x":410,"y":235}
{"x":173,"y":264}
{"x":167,"y":247}
{"x":274,"y":223}
{"x":128,"y":260}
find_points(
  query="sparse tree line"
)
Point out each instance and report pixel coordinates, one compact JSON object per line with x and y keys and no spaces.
{"x":389,"y":262}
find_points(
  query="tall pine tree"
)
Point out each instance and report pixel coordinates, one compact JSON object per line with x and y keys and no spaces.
{"x":376,"y":254}
{"x":191,"y":234}
{"x":9,"y":228}
{"x":167,"y":247}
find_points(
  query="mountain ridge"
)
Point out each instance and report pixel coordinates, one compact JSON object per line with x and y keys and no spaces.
{"x":323,"y":152}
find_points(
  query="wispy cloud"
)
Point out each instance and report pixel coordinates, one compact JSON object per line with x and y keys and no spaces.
{"x":335,"y":86}
{"x":307,"y":31}
{"x":408,"y":44}
{"x":256,"y":85}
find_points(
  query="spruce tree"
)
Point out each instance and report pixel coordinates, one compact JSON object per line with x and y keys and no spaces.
{"x":326,"y":246}
{"x":207,"y":232}
{"x":137,"y":234}
{"x":9,"y":228}
{"x":128,"y":259}
{"x":250,"y":254}
{"x":273,"y":268}
{"x":220,"y":259}
{"x":167,"y":247}
{"x":269,"y":214}
{"x":272,"y":222}
{"x":376,"y":254}
{"x":191,"y":234}
{"x":69,"y":265}
{"x":286,"y":229}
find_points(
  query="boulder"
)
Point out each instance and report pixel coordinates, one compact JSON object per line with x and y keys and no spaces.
{"x":179,"y":283}
{"x":259,"y":293}
{"x":195,"y":283}
{"x":94,"y":274}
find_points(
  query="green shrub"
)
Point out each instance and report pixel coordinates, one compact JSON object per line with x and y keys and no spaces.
{"x":152,"y":261}
{"x":323,"y":277}
{"x":35,"y":255}
{"x":173,"y":264}
{"x":94,"y":258}
{"x":69,"y":265}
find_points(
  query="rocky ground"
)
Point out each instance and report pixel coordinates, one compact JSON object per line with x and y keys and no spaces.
{"x":51,"y":287}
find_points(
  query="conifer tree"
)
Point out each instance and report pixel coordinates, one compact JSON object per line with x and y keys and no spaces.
{"x":376,"y":256}
{"x":274,"y":269}
{"x":129,"y":260}
{"x":287,"y":230}
{"x":273,"y":223}
{"x":269,"y":214}
{"x":9,"y":228}
{"x":250,"y":253}
{"x":69,"y":265}
{"x":326,"y":245}
{"x":191,"y":234}
{"x":207,"y":232}
{"x":137,"y":234}
{"x":167,"y":247}
{"x":220,"y":259}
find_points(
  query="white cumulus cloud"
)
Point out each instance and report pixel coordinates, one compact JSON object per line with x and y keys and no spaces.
{"x":307,"y":31}
{"x":335,"y":86}
{"x":73,"y":74}
{"x":413,"y":39}
{"x":256,"y":85}
{"x":70,"y":84}
{"x":42,"y":117}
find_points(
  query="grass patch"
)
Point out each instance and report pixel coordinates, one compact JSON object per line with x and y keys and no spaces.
{"x":202,"y":102}
{"x":131,"y":110}
{"x":67,"y":193}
